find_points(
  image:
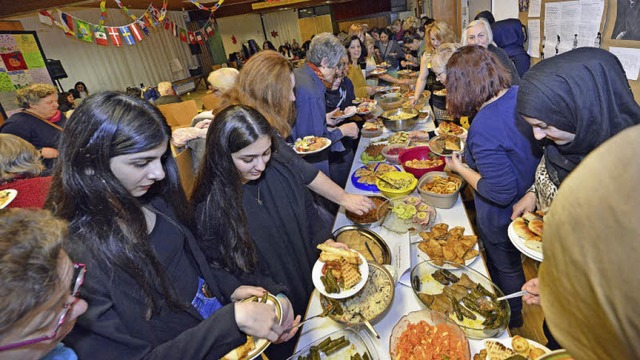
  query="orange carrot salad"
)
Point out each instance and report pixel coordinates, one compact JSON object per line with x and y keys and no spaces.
{"x":426,"y":342}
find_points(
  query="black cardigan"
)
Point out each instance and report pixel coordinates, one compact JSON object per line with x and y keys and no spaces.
{"x":114,"y":326}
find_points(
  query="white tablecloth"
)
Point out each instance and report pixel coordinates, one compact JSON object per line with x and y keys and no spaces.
{"x":404,"y":301}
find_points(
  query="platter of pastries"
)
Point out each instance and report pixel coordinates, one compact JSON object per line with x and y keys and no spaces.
{"x":525,"y":233}
{"x":509,"y":348}
{"x":441,"y":244}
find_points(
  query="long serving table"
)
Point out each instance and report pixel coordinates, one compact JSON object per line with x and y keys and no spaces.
{"x":404,"y":301}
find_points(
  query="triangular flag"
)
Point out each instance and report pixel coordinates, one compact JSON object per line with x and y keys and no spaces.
{"x":68,"y":21}
{"x":126,"y":35}
{"x":167,"y":24}
{"x":199,"y":38}
{"x":84,"y":32}
{"x":45,"y":17}
{"x":114,"y":35}
{"x":192,"y":37}
{"x":183,"y":35}
{"x":174,"y":29}
{"x":101,"y":36}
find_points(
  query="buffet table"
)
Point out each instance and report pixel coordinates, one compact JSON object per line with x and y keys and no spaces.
{"x":404,"y":301}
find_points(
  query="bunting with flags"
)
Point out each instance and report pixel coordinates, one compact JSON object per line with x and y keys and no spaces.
{"x":135,"y":32}
{"x":126,"y":35}
{"x":131,"y":33}
{"x":67,"y":21}
{"x":100,"y":34}
{"x":84,"y":32}
{"x":114,"y":35}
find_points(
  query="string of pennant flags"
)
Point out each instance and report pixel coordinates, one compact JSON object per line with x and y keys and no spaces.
{"x":133,"y":32}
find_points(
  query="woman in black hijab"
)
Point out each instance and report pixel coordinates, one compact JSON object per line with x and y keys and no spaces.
{"x":574,"y":102}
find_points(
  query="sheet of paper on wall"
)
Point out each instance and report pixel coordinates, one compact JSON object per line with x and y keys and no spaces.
{"x":534,"y":8}
{"x":630,"y":59}
{"x":550,"y":43}
{"x":534,"y":38}
{"x":590,"y":19}
{"x":569,"y":16}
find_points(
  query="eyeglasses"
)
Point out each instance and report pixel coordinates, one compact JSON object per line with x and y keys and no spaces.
{"x":78,"y":274}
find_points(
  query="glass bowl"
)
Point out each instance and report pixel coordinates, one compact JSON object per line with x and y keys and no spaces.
{"x":411,"y":214}
{"x":359,"y":343}
{"x":370,"y":217}
{"x":392,"y":152}
{"x":425,"y":287}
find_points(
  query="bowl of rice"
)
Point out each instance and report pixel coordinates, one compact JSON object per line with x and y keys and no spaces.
{"x":372,"y":302}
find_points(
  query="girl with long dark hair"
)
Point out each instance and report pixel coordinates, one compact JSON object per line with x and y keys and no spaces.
{"x":150,"y":291}
{"x":253,"y":210}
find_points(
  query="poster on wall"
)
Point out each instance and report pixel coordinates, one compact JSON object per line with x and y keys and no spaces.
{"x":627,"y":25}
{"x":22,"y":62}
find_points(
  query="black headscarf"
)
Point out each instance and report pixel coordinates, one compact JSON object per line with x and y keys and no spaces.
{"x":584,"y":92}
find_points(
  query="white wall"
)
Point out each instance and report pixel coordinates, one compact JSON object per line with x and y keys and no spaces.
{"x":110,"y":67}
{"x":243,"y":27}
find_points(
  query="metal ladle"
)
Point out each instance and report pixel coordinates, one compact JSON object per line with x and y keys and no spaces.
{"x":486,"y":303}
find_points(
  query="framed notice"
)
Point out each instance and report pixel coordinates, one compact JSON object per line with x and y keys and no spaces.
{"x":22,"y":63}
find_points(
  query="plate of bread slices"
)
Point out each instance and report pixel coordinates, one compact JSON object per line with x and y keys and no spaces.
{"x":525,"y":232}
{"x":339,"y":273}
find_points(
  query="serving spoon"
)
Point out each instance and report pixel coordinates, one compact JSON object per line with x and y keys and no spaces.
{"x":485,"y":302}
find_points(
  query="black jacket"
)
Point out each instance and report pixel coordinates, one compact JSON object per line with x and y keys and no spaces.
{"x":114,"y":326}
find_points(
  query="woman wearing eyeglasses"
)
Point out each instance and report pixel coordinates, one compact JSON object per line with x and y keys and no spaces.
{"x":150,"y":291}
{"x":39,"y":286}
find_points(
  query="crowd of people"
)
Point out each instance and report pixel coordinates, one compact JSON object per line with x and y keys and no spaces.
{"x":112,"y":260}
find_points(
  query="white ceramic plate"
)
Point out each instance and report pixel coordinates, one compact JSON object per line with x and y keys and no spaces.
{"x":378,"y":71}
{"x":507,"y":342}
{"x":345,"y":115}
{"x":462,"y":145}
{"x":316,"y":273}
{"x":7,"y":196}
{"x":462,"y":136}
{"x":326,"y":145}
{"x":519,"y":243}
{"x":260,"y":345}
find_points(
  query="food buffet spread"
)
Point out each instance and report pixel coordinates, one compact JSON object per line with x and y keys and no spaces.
{"x":435,"y":258}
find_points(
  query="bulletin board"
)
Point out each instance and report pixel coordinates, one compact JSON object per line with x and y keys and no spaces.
{"x":606,"y":28}
{"x":22,"y":62}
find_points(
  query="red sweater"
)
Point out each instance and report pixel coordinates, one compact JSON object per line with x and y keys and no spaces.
{"x":32,"y":192}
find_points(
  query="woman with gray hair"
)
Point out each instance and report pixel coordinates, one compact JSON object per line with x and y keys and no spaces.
{"x":440,"y":58}
{"x":39,"y":103}
{"x":312,"y":80}
{"x":478,"y":32}
{"x":20,"y":169}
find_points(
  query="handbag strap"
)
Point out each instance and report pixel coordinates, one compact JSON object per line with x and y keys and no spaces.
{"x":43,"y":119}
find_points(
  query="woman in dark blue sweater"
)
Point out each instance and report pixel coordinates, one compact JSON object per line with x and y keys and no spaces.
{"x":501,"y":157}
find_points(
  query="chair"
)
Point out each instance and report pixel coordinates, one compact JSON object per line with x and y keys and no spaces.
{"x":184,"y":161}
{"x":211,"y":101}
{"x":179,"y":114}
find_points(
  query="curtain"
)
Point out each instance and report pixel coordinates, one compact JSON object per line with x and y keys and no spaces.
{"x":285,"y":23}
{"x":110,"y":67}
